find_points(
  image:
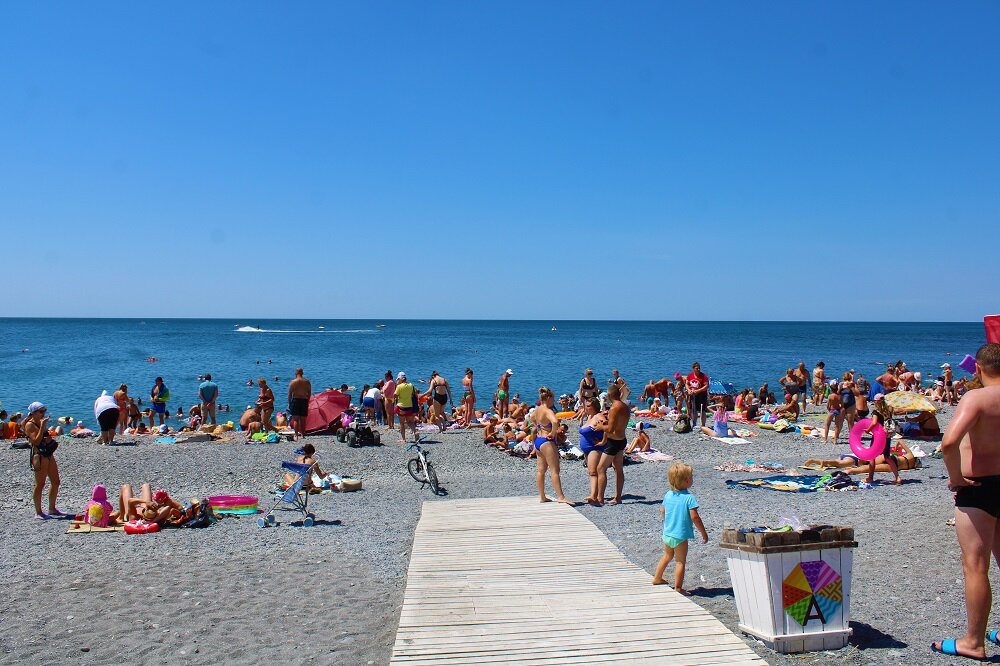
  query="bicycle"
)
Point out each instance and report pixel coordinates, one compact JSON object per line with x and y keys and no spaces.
{"x":421,"y":469}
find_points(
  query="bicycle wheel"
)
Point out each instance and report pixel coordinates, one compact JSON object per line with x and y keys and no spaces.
{"x":416,"y":470}
{"x":432,"y":478}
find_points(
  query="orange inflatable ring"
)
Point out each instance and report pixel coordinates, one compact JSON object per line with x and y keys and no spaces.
{"x":565,"y":415}
{"x":141,"y":527}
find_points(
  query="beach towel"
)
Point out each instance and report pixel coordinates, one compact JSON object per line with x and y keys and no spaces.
{"x":84,"y":528}
{"x":165,"y":440}
{"x":731,"y":440}
{"x":653,"y":456}
{"x":784,"y":483}
{"x":753,"y":467}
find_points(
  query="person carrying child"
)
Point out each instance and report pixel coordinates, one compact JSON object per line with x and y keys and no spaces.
{"x":680,"y":517}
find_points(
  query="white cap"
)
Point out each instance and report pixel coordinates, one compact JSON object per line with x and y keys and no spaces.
{"x":946,"y":365}
{"x":509,"y":371}
{"x":34,"y":407}
{"x":401,"y":376}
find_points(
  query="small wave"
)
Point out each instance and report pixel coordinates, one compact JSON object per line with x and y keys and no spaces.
{"x":251,"y":329}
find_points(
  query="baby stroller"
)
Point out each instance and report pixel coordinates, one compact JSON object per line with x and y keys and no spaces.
{"x":294,"y":496}
{"x":358,"y":432}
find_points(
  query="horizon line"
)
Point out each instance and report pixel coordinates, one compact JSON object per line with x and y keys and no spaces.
{"x":456,"y":319}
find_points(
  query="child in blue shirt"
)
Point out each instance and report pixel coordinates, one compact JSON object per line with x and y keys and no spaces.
{"x":680,"y":517}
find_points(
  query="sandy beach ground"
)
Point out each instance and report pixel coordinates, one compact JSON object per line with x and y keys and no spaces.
{"x":235,"y":593}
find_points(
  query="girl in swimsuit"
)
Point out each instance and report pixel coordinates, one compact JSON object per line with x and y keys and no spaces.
{"x":849,"y":411}
{"x":546,"y":424}
{"x":43,"y":460}
{"x":589,"y":438}
{"x":803,"y":376}
{"x":833,"y":407}
{"x":468,"y":397}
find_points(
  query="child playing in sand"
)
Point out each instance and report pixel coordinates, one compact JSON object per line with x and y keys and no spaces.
{"x":680,"y":517}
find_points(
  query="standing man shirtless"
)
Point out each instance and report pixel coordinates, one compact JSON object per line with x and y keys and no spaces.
{"x":503,"y":393}
{"x":299,"y":392}
{"x":614,"y":443}
{"x":971,"y":448}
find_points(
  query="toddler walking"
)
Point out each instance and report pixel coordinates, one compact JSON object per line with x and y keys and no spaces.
{"x":680,"y":517}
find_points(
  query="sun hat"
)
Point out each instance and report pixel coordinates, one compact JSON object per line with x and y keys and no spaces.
{"x":34,"y":407}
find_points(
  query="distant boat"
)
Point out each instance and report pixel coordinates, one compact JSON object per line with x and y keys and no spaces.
{"x":379,"y":325}
{"x":322,"y":328}
{"x":247,"y":329}
{"x":554,"y":329}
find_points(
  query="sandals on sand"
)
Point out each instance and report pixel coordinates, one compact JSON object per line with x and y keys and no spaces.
{"x":949,"y":648}
{"x":993,"y":636}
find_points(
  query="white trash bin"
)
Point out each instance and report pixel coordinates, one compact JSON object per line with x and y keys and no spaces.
{"x":793,"y":589}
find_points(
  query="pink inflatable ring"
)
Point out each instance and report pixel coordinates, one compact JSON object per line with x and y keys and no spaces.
{"x":867,"y":453}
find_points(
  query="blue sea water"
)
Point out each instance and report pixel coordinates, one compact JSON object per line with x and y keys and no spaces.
{"x":66,"y":363}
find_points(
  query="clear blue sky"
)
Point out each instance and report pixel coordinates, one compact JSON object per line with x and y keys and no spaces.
{"x":501,"y":160}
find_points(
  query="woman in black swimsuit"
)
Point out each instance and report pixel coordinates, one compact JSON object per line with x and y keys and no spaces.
{"x":43,"y":460}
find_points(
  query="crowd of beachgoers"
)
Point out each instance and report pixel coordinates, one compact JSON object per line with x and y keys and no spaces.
{"x":601,"y":422}
{"x":538,"y":429}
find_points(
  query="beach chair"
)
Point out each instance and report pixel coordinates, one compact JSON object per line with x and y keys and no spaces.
{"x":294,"y":496}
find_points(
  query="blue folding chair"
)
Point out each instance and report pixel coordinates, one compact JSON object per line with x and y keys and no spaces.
{"x":294,"y":496}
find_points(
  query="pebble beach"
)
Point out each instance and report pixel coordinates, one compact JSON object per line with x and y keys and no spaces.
{"x":236,"y":593}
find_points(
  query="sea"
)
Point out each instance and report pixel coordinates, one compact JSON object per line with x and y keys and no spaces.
{"x":66,"y":363}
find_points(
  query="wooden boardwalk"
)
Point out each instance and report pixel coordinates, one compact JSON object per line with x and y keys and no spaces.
{"x":514,"y":581}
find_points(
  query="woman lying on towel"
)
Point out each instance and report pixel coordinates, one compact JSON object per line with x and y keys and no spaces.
{"x":853,"y":465}
{"x":153,"y":507}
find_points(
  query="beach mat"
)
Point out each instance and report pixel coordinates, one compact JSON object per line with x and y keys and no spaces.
{"x":653,"y":456}
{"x":782,"y":483}
{"x":731,"y":440}
{"x":84,"y":528}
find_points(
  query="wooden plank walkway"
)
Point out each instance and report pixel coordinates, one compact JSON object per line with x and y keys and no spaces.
{"x":511,"y":580}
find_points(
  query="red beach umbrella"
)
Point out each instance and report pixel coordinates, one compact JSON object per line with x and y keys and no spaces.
{"x":324,"y":409}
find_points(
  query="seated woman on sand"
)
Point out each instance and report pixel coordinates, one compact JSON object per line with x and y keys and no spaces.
{"x":851,"y":464}
{"x":307,"y":457}
{"x":789,"y":410}
{"x":640,"y":443}
{"x":720,"y":425}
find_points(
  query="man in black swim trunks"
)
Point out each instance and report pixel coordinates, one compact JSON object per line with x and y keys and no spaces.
{"x":614,"y":443}
{"x":299,"y":392}
{"x":971,"y":448}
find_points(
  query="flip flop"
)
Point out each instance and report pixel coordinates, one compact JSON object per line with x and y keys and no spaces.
{"x":949,"y":648}
{"x":42,"y":516}
{"x":993,"y":636}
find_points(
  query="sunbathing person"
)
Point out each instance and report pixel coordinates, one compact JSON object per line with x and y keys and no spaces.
{"x":307,"y":457}
{"x":640,"y":443}
{"x":789,"y":410}
{"x":151,"y":507}
{"x":851,"y":464}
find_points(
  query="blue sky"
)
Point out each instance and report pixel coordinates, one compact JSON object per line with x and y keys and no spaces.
{"x":501,"y":160}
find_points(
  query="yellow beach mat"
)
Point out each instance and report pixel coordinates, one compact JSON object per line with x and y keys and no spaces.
{"x":84,"y":528}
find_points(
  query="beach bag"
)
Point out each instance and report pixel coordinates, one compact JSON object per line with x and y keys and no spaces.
{"x":204,"y":517}
{"x":683,"y":425}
